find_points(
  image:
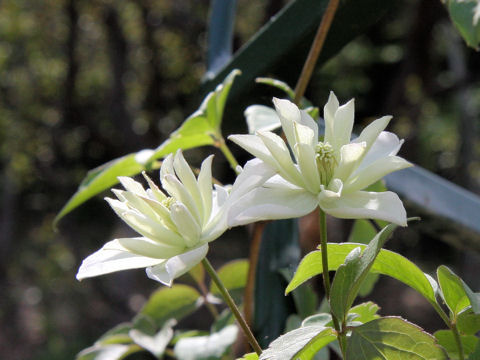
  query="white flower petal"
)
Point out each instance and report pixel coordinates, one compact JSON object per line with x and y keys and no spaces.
{"x":255,"y":146}
{"x":178,"y":191}
{"x":308,"y":167}
{"x":387,"y":144}
{"x":186,"y":224}
{"x":132,"y":185}
{"x":177,"y":266}
{"x":137,"y":202}
{"x":205,"y":186}
{"x":261,"y":117}
{"x":269,"y":204}
{"x":154,"y":192}
{"x":187,"y":178}
{"x":367,"y":205}
{"x":350,"y":154}
{"x":106,"y":261}
{"x":288,"y":113}
{"x":372,"y":131}
{"x":304,"y":135}
{"x":146,"y":247}
{"x":329,"y":111}
{"x":374,"y":172}
{"x":280,"y":152}
{"x":307,"y":120}
{"x":343,"y":125}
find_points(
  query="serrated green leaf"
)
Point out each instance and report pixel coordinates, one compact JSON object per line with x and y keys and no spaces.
{"x":157,"y":343}
{"x":100,"y":179}
{"x":455,"y":292}
{"x":300,"y":343}
{"x":392,"y":338}
{"x":350,"y":275}
{"x":234,"y":276}
{"x":110,"y":352}
{"x":465,"y":15}
{"x":365,"y":312}
{"x":447,"y":340}
{"x":206,"y":347}
{"x":175,"y":302}
{"x":387,"y":263}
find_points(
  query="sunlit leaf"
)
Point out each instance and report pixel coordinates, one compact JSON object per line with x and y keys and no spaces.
{"x":300,"y":343}
{"x":387,"y":263}
{"x":447,"y":340}
{"x":392,"y":338}
{"x":107,"y":352}
{"x":277,"y":84}
{"x":250,"y":356}
{"x":206,"y":347}
{"x":157,"y":343}
{"x":350,"y":275}
{"x":468,"y":322}
{"x":365,"y":312}
{"x":175,"y":302}
{"x":234,"y":277}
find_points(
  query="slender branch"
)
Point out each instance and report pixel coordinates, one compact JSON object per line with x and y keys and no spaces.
{"x":317,"y":46}
{"x":231,"y":304}
{"x":323,"y":247}
{"x":228,"y":154}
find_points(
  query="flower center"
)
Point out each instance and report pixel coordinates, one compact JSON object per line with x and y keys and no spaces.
{"x":326,"y":161}
{"x":168,"y":202}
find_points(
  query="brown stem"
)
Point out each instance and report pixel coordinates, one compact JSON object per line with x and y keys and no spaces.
{"x":317,"y":46}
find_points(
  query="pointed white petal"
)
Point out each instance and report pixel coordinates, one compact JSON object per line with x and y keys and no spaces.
{"x":132,"y":185}
{"x":255,"y":146}
{"x":343,"y":125}
{"x":154,"y":192}
{"x":161,"y":211}
{"x":167,"y":167}
{"x":180,"y":193}
{"x":350,"y":154}
{"x":374,"y":172}
{"x":371,"y":132}
{"x":288,"y":113}
{"x":280,"y":152}
{"x":187,"y":178}
{"x":205,"y":186}
{"x":260,"y":117}
{"x":186,"y":224}
{"x":304,"y":135}
{"x":150,"y":248}
{"x":367,"y":205}
{"x":106,"y":261}
{"x":177,"y":266}
{"x":307,"y":120}
{"x":137,"y":202}
{"x":270,"y":204}
{"x":387,"y":144}
{"x":308,"y":166}
{"x":329,"y":111}
{"x":117,"y":206}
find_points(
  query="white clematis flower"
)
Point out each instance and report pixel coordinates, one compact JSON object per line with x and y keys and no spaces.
{"x":176,"y":227}
{"x":329,"y":174}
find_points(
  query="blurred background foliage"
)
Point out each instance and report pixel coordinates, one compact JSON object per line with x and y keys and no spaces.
{"x":83,"y":82}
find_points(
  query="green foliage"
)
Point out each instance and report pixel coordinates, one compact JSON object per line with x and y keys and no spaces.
{"x":350,"y":275}
{"x":387,"y":263}
{"x":468,"y":322}
{"x":365,"y":312}
{"x":392,"y":338}
{"x":465,"y":14}
{"x":300,"y":343}
{"x":175,"y":302}
{"x":234,"y":276}
{"x":157,"y":343}
{"x":447,"y":339}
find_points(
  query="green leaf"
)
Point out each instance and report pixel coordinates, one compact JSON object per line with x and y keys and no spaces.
{"x":206,"y":347}
{"x":392,"y":338}
{"x":447,"y":340}
{"x":102,"y":178}
{"x":465,"y":15}
{"x":277,"y":84}
{"x":468,"y":322}
{"x":455,"y":292}
{"x":350,"y":275}
{"x":322,"y":319}
{"x":304,"y":297}
{"x":365,"y":312}
{"x":116,"y":335}
{"x":387,"y":263}
{"x":234,"y":277}
{"x":110,"y":352}
{"x":300,"y":343}
{"x":175,"y":302}
{"x":250,"y":356}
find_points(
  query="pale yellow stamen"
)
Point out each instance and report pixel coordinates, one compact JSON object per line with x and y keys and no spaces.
{"x":326,"y":162}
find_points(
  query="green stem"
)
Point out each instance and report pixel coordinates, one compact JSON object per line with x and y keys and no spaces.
{"x":453,"y":327}
{"x":231,"y":304}
{"x":228,"y":154}
{"x":326,"y":279}
{"x":315,"y":50}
